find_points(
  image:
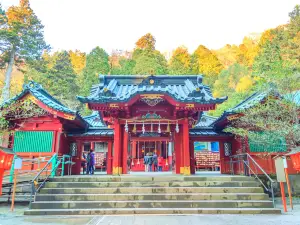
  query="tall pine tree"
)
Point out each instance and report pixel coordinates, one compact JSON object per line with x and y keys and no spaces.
{"x":97,"y":62}
{"x":21,"y":38}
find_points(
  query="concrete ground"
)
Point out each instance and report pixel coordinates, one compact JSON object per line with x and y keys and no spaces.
{"x":17,"y":218}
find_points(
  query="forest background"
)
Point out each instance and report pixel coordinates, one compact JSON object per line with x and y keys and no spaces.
{"x":235,"y":71}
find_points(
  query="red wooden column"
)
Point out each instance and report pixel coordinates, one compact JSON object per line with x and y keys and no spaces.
{"x":92,"y":145}
{"x":133,"y":150}
{"x":125,"y":151}
{"x":186,"y":148}
{"x":222,"y":157}
{"x":192,"y":155}
{"x":77,"y":159}
{"x":117,"y":163}
{"x":109,"y":158}
{"x":177,"y":149}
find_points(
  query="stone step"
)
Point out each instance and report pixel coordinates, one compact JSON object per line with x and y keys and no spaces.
{"x":153,"y":197}
{"x":152,"y":204}
{"x":93,"y":178}
{"x":153,"y":184}
{"x":135,"y":190}
{"x":152,"y":211}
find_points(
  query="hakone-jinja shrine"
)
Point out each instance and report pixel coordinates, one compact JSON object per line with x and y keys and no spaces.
{"x":134,"y":115}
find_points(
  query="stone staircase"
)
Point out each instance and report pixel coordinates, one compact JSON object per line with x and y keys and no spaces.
{"x":108,"y":195}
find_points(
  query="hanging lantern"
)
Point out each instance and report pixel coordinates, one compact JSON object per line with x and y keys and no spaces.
{"x":138,"y":162}
{"x":151,"y":127}
{"x":126,"y":127}
{"x":134,"y":128}
{"x":168,"y":128}
{"x":132,"y":163}
{"x":177,"y":127}
{"x":159,"y":130}
{"x":143,"y":128}
{"x":167,"y":162}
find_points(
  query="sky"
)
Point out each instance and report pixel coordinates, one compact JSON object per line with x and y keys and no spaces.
{"x":118,"y":24}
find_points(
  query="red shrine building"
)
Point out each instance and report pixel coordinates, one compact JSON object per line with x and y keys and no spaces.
{"x":133,"y":115}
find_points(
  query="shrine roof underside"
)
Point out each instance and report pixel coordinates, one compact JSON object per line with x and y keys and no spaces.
{"x":121,"y":88}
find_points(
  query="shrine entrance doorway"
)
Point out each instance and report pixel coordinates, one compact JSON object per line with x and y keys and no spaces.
{"x":140,"y":147}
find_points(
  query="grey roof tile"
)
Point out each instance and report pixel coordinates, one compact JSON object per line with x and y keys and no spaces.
{"x":123,"y":87}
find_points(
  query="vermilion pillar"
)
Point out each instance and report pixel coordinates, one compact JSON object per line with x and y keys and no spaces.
{"x":93,"y":145}
{"x":133,"y":150}
{"x":222,"y":157}
{"x":178,"y":150}
{"x":192,"y":155}
{"x":186,"y":148}
{"x":117,"y":166}
{"x":109,"y":158}
{"x":125,"y":150}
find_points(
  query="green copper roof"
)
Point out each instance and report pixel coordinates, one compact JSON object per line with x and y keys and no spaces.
{"x":205,"y":121}
{"x":294,"y":97}
{"x":249,"y":102}
{"x":42,"y":95}
{"x":94,"y":120}
{"x":120,"y":88}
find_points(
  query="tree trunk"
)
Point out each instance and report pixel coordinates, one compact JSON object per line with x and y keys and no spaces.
{"x":6,"y":88}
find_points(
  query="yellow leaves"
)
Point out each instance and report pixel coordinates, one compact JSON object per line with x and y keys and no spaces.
{"x":19,"y":14}
{"x":78,"y":60}
{"x":181,"y":53}
{"x":146,"y":42}
{"x":244,"y":84}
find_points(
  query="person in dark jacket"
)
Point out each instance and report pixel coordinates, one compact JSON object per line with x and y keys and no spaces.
{"x":154,"y":159}
{"x":83,"y":163}
{"x":146,"y":162}
{"x":91,"y":162}
{"x":150,"y":162}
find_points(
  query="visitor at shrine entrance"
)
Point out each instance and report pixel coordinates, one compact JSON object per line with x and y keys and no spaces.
{"x":150,"y":156}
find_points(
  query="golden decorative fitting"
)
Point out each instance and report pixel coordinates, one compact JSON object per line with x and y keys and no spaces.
{"x":168,"y":128}
{"x":68,"y":117}
{"x":151,"y":81}
{"x":151,"y":96}
{"x":134,"y":129}
{"x":105,"y":89}
{"x":189,"y":106}
{"x":113,"y":105}
{"x":197,"y":89}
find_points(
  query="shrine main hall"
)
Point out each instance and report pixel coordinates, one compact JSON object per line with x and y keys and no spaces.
{"x":132,"y":115}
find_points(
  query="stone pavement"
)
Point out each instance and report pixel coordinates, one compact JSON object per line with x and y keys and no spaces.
{"x":17,"y":218}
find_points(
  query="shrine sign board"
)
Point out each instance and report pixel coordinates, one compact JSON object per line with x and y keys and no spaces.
{"x":279,"y":165}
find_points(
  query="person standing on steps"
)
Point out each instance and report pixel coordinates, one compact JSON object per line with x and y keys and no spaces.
{"x":155,"y":162}
{"x":146,"y":162}
{"x":91,"y":162}
{"x":150,"y":161}
{"x":83,"y":163}
{"x":160,"y":163}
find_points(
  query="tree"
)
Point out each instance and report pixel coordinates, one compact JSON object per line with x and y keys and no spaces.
{"x":180,"y":62}
{"x":294,"y":24}
{"x":232,"y":80}
{"x":276,"y":118}
{"x":97,"y":62}
{"x":56,"y":74}
{"x":247,"y":51}
{"x":150,"y":62}
{"x":206,"y":63}
{"x":125,"y":67}
{"x":146,"y":42}
{"x":147,"y":59}
{"x":227,"y":55}
{"x":21,"y":38}
{"x":78,"y":60}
